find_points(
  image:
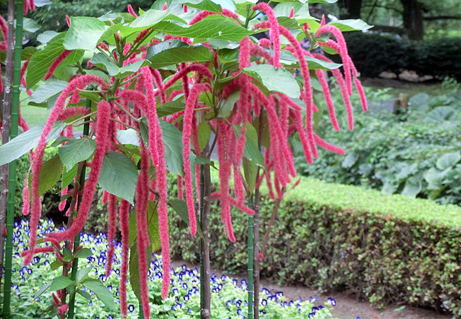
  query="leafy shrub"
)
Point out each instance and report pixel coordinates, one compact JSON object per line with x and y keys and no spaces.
{"x":329,"y":236}
{"x":374,"y":53}
{"x":414,"y":153}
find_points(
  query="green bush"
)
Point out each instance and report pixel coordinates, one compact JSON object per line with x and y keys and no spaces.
{"x":336,"y":237}
{"x":374,"y":53}
{"x":414,"y":153}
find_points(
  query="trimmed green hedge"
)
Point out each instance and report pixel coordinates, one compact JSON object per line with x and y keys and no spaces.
{"x":335,"y":237}
{"x":374,"y":53}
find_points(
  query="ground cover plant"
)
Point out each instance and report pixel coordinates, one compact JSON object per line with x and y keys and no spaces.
{"x":416,"y":153}
{"x":228,"y":295}
{"x":162,"y":90}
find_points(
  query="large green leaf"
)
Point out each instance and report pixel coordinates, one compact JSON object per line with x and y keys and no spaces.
{"x":128,"y":136}
{"x":448,"y":160}
{"x":135,"y":278}
{"x":180,"y":207}
{"x":102,"y":292}
{"x":413,"y":186}
{"x":30,"y":25}
{"x":204,"y":133}
{"x":434,"y":177}
{"x":170,"y":108}
{"x":82,"y":273}
{"x":165,"y":54}
{"x":250,"y":170}
{"x":59,"y":283}
{"x":47,"y":90}
{"x":152,"y":227}
{"x":101,"y":61}
{"x":228,"y":105}
{"x":49,"y":175}
{"x":214,"y":27}
{"x":119,"y":176}
{"x":251,"y":151}
{"x":84,"y":33}
{"x":150,"y":18}
{"x":351,"y":25}
{"x":276,"y":80}
{"x":206,"y":5}
{"x":300,"y":10}
{"x":286,"y":58}
{"x":24,"y":142}
{"x":68,"y":177}
{"x":76,"y":151}
{"x":40,"y":62}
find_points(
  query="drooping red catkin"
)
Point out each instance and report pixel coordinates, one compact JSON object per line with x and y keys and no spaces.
{"x":274,"y":30}
{"x":184,"y":8}
{"x":105,"y":197}
{"x":151,"y":113}
{"x":38,"y":251}
{"x":165,"y":6}
{"x":244,"y":53}
{"x":234,"y":203}
{"x":131,"y":11}
{"x":4,"y":29}
{"x":187,"y":130}
{"x":326,"y":93}
{"x":265,"y":42}
{"x":112,"y":209}
{"x":180,"y":187}
{"x":204,"y":71}
{"x":292,"y":13}
{"x":62,"y":205}
{"x":342,"y":51}
{"x":26,"y":196}
{"x":102,"y":126}
{"x":141,"y":35}
{"x":68,"y":20}
{"x":103,"y":46}
{"x":363,"y":99}
{"x":125,"y":230}
{"x":56,"y":63}
{"x":161,"y":178}
{"x":80,"y":82}
{"x":328,"y":146}
{"x":297,"y":120}
{"x":203,"y":14}
{"x":142,"y":190}
{"x":185,"y":81}
{"x":159,"y":83}
{"x":71,"y":112}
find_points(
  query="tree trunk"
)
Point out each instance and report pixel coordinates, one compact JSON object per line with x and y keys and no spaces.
{"x":350,"y":9}
{"x":413,"y":19}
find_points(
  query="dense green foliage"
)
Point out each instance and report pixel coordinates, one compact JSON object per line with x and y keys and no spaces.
{"x":437,"y":57}
{"x":415,"y":152}
{"x":383,"y":248}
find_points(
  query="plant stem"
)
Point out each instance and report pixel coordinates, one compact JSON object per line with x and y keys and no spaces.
{"x":257,"y":285}
{"x":205,"y":269}
{"x":73,"y":276}
{"x":250,"y":259}
{"x":12,"y":134}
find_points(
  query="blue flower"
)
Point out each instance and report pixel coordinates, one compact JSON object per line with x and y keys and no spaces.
{"x":264,"y":302}
{"x":131,"y":308}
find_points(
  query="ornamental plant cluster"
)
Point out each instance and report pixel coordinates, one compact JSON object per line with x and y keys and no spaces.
{"x":164,"y":89}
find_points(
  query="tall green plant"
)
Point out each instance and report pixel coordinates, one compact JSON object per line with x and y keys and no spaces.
{"x":170,"y":86}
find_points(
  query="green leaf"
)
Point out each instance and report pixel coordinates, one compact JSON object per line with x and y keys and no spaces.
{"x":101,"y":61}
{"x":413,"y":186}
{"x":300,"y":10}
{"x":82,"y":273}
{"x":170,"y":108}
{"x":434,"y":177}
{"x":84,"y":294}
{"x":42,"y":289}
{"x":150,"y":18}
{"x":30,"y":25}
{"x":76,"y":151}
{"x":214,"y":27}
{"x":68,"y":177}
{"x":84,"y":33}
{"x":204,"y":133}
{"x":175,"y":52}
{"x":135,"y":279}
{"x":119,"y":176}
{"x":276,"y":80}
{"x":83,"y":253}
{"x":40,"y":62}
{"x":172,"y":139}
{"x":46,"y":36}
{"x":250,"y":170}
{"x":287,"y":58}
{"x":47,"y":90}
{"x":180,"y":207}
{"x":350,"y":159}
{"x":206,"y":5}
{"x":351,"y":25}
{"x":228,"y":105}
{"x":128,"y":136}
{"x":56,"y":264}
{"x":251,"y":151}
{"x":49,"y":175}
{"x":102,"y":292}
{"x":24,"y":142}
{"x":59,"y":283}
{"x":448,"y":160}
{"x":152,"y":227}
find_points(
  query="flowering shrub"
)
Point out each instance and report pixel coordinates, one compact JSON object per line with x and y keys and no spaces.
{"x":158,"y":84}
{"x":31,"y":292}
